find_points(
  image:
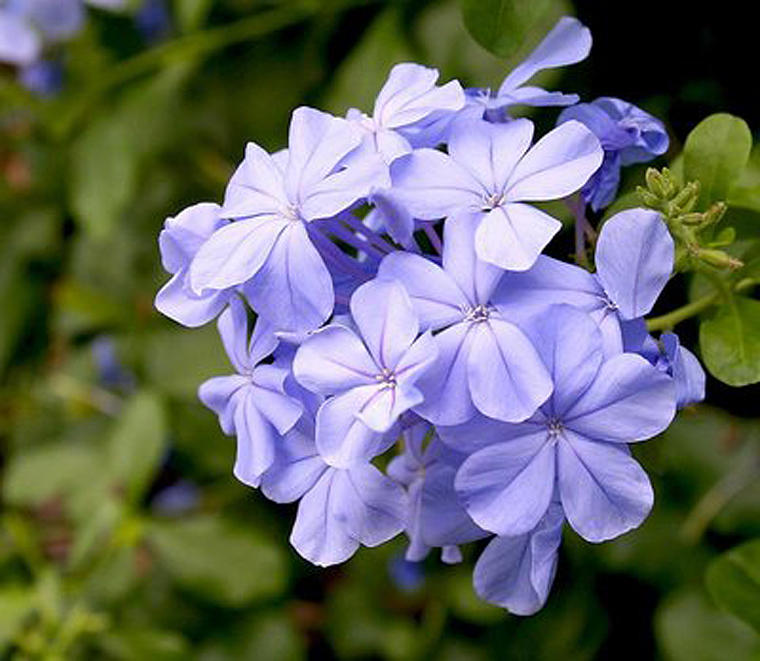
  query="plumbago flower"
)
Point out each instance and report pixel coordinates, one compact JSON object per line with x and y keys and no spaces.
{"x":372,"y":378}
{"x":574,"y":444}
{"x":486,"y":363}
{"x":406,"y":317}
{"x":410,"y":110}
{"x":179,"y":241}
{"x":634,"y":260}
{"x":491,"y":171}
{"x":251,"y":404}
{"x":628,"y":135}
{"x":268,"y":250}
{"x":568,"y":42}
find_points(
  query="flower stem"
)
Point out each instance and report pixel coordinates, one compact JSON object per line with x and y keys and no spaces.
{"x":667,"y":321}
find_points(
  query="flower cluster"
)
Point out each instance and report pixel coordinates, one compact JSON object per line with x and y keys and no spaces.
{"x":403,"y":304}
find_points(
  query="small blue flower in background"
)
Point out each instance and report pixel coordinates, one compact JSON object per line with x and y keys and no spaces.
{"x":567,"y":43}
{"x":111,"y":371}
{"x":20,"y":45}
{"x":43,"y":77}
{"x":153,"y":20}
{"x":628,"y":135}
{"x":176,"y":499}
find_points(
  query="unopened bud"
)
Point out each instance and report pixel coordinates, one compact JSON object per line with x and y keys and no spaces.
{"x":655,"y":182}
{"x":648,"y":199}
{"x":714,"y":214}
{"x":719,"y":259}
{"x":687,"y":197}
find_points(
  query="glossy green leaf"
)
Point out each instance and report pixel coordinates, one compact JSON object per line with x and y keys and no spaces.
{"x":734,"y":582}
{"x":505,"y":27}
{"x":715,"y":154}
{"x":219,"y":559}
{"x":730,"y":342}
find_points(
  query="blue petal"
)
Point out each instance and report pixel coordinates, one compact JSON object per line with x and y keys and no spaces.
{"x":568,"y":42}
{"x":296,"y":468}
{"x":508,"y":380}
{"x":506,"y":488}
{"x":634,"y":260}
{"x":604,"y":491}
{"x":629,"y":400}
{"x":516,"y":573}
{"x":292,"y":288}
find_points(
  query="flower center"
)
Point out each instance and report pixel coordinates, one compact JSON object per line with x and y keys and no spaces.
{"x":290,"y":213}
{"x":492,"y":201}
{"x":386,"y":378}
{"x":477,"y":313}
{"x":554,"y":427}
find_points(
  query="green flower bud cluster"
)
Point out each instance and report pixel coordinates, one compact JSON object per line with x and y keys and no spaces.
{"x":695,"y":247}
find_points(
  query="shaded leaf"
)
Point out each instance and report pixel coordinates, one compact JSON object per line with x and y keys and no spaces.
{"x":219,"y":560}
{"x":734,"y":582}
{"x":730,"y":342}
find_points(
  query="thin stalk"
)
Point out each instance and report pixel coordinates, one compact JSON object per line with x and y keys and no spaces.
{"x":669,"y":320}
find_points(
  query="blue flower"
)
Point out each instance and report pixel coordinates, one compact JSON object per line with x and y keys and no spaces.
{"x":410,"y":110}
{"x":485,"y":362}
{"x":251,"y":404}
{"x":576,"y":444}
{"x":627,"y":134}
{"x":435,"y":517}
{"x":517,"y":572}
{"x":489,"y":174}
{"x":669,"y":356}
{"x":634,"y":260}
{"x":179,"y":241}
{"x":20,"y":44}
{"x":272,"y":201}
{"x":370,"y":376}
{"x":567,"y":43}
{"x":339,"y":509}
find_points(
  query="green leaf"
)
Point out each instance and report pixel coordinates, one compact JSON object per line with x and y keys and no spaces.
{"x":730,"y":342}
{"x":734,"y":582}
{"x":177,"y":362}
{"x":215,"y":558}
{"x":715,"y":154}
{"x":690,"y":629}
{"x":37,"y":474}
{"x":103,"y":175}
{"x":154,"y":644}
{"x":138,"y":443}
{"x":505,"y":27}
{"x":16,"y":601}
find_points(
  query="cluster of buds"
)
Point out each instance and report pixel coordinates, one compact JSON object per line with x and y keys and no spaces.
{"x":696,"y":244}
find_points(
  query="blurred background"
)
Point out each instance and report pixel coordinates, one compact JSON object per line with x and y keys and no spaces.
{"x":123,"y":534}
